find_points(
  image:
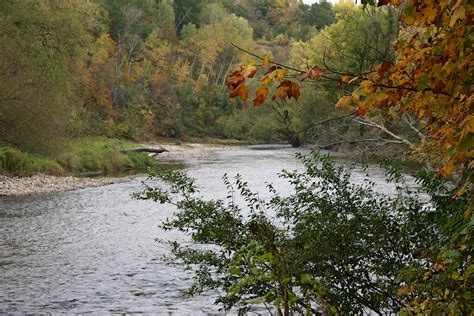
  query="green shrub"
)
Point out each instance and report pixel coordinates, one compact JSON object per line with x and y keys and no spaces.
{"x":332,"y":243}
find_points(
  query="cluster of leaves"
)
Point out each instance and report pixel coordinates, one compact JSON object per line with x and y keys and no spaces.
{"x":332,"y":244}
{"x":285,"y":89}
{"x":431,"y":77}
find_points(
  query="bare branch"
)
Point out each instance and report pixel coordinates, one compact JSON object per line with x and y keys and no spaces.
{"x":368,"y":122}
{"x":366,"y":140}
{"x":326,"y":121}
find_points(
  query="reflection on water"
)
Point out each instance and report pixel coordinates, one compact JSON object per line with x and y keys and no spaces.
{"x":94,"y":249}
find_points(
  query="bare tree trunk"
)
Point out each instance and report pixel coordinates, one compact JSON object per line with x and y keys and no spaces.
{"x":227,"y":72}
{"x":190,"y":72}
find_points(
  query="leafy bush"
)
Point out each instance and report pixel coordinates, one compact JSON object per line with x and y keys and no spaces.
{"x":331,"y":245}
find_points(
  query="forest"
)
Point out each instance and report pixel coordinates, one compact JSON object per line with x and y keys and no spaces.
{"x":83,"y":81}
{"x":142,"y":70}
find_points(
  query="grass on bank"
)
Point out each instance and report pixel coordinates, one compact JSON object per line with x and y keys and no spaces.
{"x":79,"y":156}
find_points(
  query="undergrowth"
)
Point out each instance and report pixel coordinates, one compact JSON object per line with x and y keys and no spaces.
{"x":85,"y":155}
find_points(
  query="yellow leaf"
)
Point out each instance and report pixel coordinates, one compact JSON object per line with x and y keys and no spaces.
{"x":266,"y":62}
{"x":280,"y":74}
{"x":345,"y":79}
{"x":468,"y":212}
{"x":458,"y":14}
{"x":267,"y":79}
{"x":345,"y":102}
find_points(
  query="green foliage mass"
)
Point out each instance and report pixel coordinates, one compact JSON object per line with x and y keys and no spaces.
{"x":331,"y":244}
{"x":137,"y":69}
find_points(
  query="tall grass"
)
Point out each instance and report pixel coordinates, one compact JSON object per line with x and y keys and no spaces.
{"x":79,"y":156}
{"x":17,"y":163}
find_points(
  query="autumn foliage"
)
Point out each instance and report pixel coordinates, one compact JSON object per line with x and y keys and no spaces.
{"x":431,"y":77}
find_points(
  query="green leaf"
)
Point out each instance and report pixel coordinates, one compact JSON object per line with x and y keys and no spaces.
{"x":423,"y":82}
{"x":256,"y":300}
{"x":409,"y":10}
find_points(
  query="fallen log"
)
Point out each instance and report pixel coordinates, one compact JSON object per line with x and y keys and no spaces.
{"x":152,"y":150}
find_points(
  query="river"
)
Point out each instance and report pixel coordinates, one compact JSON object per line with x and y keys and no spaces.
{"x":94,"y":249}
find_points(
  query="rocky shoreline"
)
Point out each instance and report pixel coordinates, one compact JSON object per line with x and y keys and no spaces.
{"x":16,"y":186}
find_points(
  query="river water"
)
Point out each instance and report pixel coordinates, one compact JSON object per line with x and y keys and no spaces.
{"x":94,"y":249}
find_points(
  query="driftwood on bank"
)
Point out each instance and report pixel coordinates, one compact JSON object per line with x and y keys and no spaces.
{"x":152,"y":150}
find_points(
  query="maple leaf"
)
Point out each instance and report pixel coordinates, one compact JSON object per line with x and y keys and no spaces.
{"x":266,"y":62}
{"x":249,"y":71}
{"x":267,"y":79}
{"x":345,"y":102}
{"x":403,"y":291}
{"x":280,"y":74}
{"x":312,"y":74}
{"x":287,"y":88}
{"x":240,"y":91}
{"x":235,"y":79}
{"x":261,"y":95}
{"x":361,"y":111}
{"x":383,"y":68}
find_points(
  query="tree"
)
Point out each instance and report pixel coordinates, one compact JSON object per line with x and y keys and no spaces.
{"x":41,"y":46}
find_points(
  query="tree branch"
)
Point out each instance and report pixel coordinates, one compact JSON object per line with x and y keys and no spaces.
{"x":366,"y":140}
{"x":326,"y":121}
{"x":368,"y":122}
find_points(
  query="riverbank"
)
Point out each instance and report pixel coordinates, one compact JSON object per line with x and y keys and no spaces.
{"x":41,"y":183}
{"x":44,"y":183}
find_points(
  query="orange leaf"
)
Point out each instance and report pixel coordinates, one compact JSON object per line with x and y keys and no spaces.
{"x":294,"y":91}
{"x":446,"y":170}
{"x":249,"y":71}
{"x":314,"y":73}
{"x":261,"y":95}
{"x":235,"y":79}
{"x":240,"y":91}
{"x":280,"y":92}
{"x":361,"y":110}
{"x":403,"y":291}
{"x":287,"y":88}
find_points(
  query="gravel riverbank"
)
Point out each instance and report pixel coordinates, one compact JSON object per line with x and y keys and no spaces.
{"x":14,"y":186}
